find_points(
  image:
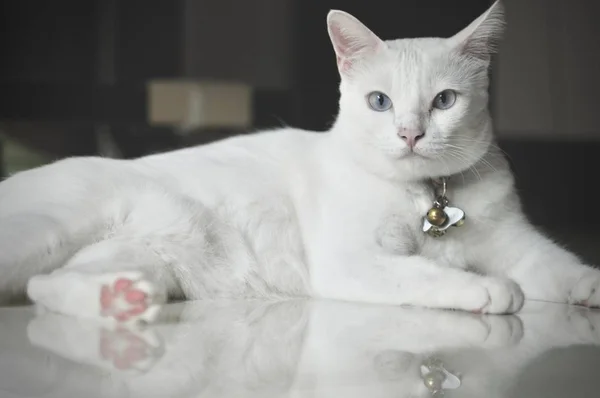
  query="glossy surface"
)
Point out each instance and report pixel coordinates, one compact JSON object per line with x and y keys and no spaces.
{"x":303,"y":349}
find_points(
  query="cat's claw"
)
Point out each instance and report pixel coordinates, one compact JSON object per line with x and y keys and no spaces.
{"x":503,"y":297}
{"x":586,"y":291}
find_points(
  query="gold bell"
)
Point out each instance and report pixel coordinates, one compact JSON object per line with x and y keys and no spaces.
{"x":434,"y":380}
{"x":437,"y":216}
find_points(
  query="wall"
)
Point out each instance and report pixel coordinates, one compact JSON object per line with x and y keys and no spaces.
{"x":547,"y":74}
{"x":243,"y":41}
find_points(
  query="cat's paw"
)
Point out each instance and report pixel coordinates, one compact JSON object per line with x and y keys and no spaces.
{"x":586,"y":291}
{"x":503,"y":296}
{"x":128,"y":298}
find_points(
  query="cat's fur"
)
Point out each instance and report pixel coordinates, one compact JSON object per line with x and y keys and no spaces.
{"x":291,"y":213}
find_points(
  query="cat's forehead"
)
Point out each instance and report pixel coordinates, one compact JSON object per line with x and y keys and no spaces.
{"x":422,"y":45}
{"x":416,"y":63}
{"x":414,"y":55}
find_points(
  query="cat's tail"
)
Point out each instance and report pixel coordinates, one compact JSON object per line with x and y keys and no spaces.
{"x":47,"y":214}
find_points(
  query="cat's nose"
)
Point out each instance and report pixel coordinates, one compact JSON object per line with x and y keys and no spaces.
{"x":411,"y":136}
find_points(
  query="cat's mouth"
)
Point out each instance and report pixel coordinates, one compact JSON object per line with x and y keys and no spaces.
{"x":412,"y":154}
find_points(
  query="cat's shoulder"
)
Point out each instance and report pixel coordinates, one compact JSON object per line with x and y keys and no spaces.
{"x":285,"y":138}
{"x":265,"y":147}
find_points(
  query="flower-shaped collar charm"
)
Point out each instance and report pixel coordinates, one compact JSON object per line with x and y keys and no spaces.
{"x":449,"y":217}
{"x":437,"y":378}
{"x":441,"y":216}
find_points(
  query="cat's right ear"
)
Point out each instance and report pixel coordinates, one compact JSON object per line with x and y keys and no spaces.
{"x":481,"y":38}
{"x":351,"y":39}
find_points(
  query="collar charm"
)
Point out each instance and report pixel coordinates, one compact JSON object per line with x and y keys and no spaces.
{"x":441,"y":216}
{"x":437,"y":378}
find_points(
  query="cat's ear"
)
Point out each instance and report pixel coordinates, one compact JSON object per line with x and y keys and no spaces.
{"x":481,"y":38}
{"x":351,"y":39}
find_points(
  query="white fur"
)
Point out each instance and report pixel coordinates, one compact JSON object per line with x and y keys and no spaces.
{"x":294,"y":213}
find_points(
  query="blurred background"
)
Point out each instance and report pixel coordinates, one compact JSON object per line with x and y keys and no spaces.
{"x":125,"y":78}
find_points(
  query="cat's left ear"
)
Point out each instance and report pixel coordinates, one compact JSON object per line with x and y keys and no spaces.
{"x":481,"y":38}
{"x":351,"y":40}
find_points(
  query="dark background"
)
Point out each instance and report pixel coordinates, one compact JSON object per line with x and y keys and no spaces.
{"x":74,"y":68}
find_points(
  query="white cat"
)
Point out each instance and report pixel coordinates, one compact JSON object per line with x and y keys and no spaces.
{"x":336,"y":215}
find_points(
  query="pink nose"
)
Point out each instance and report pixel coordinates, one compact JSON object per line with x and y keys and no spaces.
{"x":411,"y":137}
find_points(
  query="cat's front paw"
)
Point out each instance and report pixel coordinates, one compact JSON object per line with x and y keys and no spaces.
{"x":504,"y":297}
{"x":586,"y":291}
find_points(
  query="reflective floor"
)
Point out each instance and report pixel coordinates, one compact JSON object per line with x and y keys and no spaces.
{"x":304,"y":349}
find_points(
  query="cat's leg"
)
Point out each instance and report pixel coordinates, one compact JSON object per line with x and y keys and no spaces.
{"x":414,"y":281}
{"x":544,"y":270}
{"x":185,"y":252}
{"x":32,"y":244}
{"x":116,"y":279}
{"x":39,"y":240}
{"x":48,"y":214}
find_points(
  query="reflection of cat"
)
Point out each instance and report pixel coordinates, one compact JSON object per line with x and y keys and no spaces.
{"x":299,"y":348}
{"x":337,"y":215}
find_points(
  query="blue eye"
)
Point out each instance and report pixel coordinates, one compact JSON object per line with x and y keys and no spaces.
{"x":444,"y":100}
{"x":379,"y":101}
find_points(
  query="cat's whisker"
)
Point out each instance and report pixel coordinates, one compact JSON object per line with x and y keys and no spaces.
{"x":462,"y":153}
{"x":498,"y":151}
{"x":485,"y":162}
{"x":488,"y":164}
{"x":460,"y":156}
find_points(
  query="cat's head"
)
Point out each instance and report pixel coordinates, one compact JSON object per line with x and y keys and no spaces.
{"x":415,"y":108}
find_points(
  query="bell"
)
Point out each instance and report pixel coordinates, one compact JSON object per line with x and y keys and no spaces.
{"x":437,"y":216}
{"x":434,"y":380}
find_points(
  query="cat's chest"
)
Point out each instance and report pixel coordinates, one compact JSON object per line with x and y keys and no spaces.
{"x":400,"y":223}
{"x":400,"y":229}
